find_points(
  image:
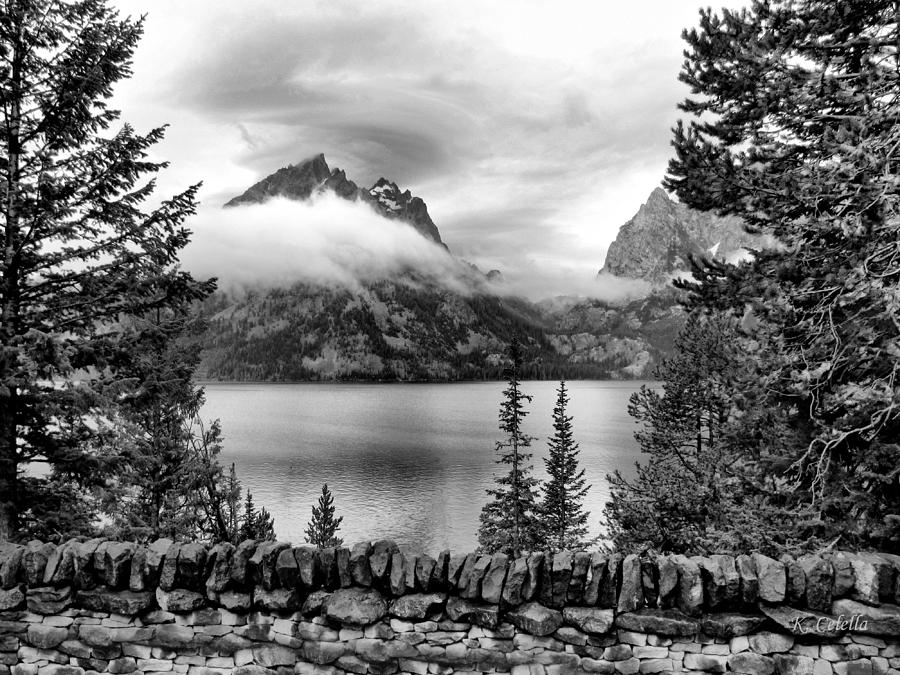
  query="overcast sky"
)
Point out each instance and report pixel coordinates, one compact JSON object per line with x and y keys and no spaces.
{"x":532,"y":128}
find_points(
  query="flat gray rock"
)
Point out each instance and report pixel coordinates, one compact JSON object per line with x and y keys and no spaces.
{"x":179,"y":600}
{"x":536,"y":619}
{"x":669,"y":622}
{"x":103,"y":599}
{"x":277,"y":599}
{"x":417,"y":605}
{"x":589,"y":619}
{"x":357,"y":606}
{"x":11,"y":598}
{"x":479,"y":613}
{"x":727,"y":625}
{"x":47,"y":600}
{"x":881,"y":621}
{"x":804,"y":621}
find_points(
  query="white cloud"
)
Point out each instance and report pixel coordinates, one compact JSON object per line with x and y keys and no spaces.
{"x":540,"y":281}
{"x":333,"y":241}
{"x":326,"y":240}
{"x":531,"y":127}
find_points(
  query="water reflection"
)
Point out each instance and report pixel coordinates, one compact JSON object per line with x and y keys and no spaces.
{"x":409,"y":462}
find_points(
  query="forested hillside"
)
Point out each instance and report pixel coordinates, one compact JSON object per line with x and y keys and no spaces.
{"x":394,"y":330}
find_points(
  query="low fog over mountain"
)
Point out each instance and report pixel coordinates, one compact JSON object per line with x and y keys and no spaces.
{"x":344,"y":282}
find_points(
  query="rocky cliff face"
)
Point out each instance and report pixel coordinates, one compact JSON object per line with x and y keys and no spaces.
{"x":663,"y":235}
{"x":393,"y":203}
{"x":630,"y":339}
{"x":313,"y":176}
{"x":296,"y":181}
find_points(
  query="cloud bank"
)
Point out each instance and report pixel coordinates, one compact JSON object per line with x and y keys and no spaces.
{"x":332,"y":241}
{"x":327,"y":240}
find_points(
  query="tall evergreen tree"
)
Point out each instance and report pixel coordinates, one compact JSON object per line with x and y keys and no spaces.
{"x":794,"y":129}
{"x":507,"y":521}
{"x":80,"y":250}
{"x":167,"y":469}
{"x":563,"y":520}
{"x":323,"y":526}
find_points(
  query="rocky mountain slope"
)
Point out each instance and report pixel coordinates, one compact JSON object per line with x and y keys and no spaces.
{"x":655,"y":245}
{"x":662,"y":236}
{"x":312,"y":176}
{"x":634,"y":335}
{"x":415,"y":328}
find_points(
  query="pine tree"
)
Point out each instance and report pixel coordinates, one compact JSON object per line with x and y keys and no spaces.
{"x":507,"y":521}
{"x":210,"y":508}
{"x":248,"y":522}
{"x":232,"y":508}
{"x":79,"y":250}
{"x":265,"y":525}
{"x":794,"y":129}
{"x":256,"y":523}
{"x":690,"y":495}
{"x":323,"y":526}
{"x":168,"y":473}
{"x":563,"y":520}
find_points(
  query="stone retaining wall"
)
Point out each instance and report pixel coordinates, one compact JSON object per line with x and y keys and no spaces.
{"x":266,"y":608}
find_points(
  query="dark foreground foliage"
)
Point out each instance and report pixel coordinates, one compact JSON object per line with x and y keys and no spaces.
{"x":794,"y":128}
{"x":98,"y":412}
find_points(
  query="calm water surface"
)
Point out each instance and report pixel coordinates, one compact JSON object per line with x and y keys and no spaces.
{"x":409,"y":462}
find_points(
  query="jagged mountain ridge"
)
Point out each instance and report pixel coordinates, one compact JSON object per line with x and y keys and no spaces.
{"x":659,"y":240}
{"x":312,"y":176}
{"x":413,"y":328}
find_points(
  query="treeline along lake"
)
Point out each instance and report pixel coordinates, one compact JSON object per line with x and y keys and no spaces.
{"x":410,"y":462}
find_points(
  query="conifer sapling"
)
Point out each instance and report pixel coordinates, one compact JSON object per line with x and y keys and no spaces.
{"x":507,"y":522}
{"x":563,"y":518}
{"x":322,"y":528}
{"x":257,"y":524}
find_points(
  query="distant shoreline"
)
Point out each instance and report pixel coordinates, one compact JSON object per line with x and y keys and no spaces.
{"x":203,"y":383}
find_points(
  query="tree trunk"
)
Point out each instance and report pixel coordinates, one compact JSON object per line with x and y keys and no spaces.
{"x":9,"y":468}
{"x":516,"y":497}
{"x":156,"y":502}
{"x":9,"y":399}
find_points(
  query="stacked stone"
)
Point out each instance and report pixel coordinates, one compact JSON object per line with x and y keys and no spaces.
{"x":267,"y":607}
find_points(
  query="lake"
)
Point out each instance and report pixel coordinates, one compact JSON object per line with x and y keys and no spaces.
{"x":409,"y":462}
